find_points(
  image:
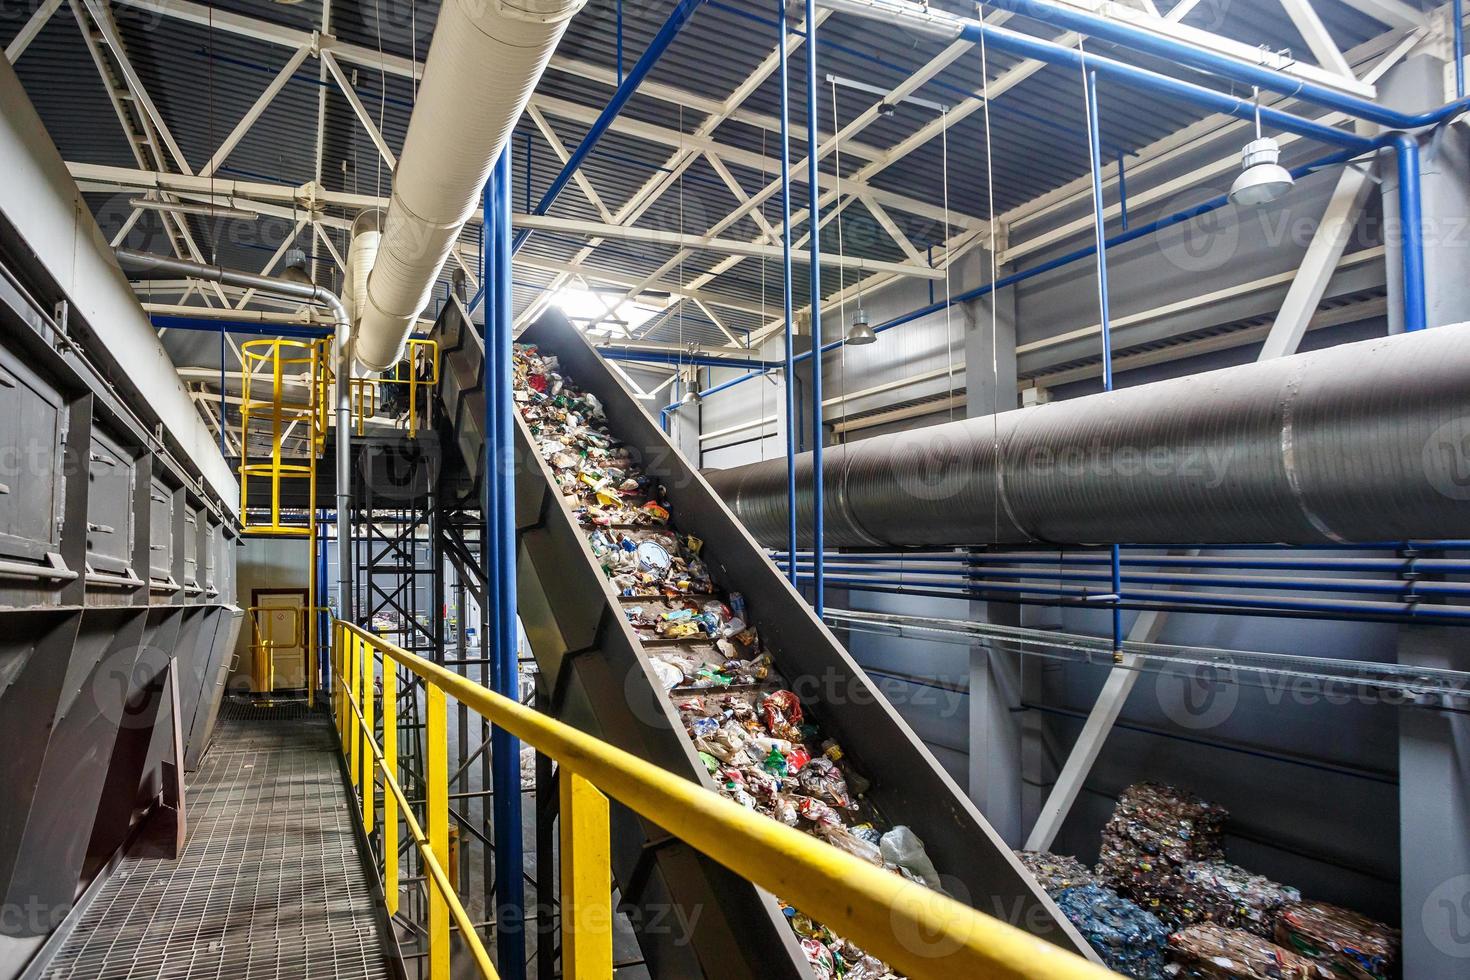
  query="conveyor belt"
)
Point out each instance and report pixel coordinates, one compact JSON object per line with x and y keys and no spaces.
{"x":598,"y":672}
{"x":270,"y":886}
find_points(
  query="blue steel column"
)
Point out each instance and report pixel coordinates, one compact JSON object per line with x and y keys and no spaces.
{"x":500,"y":582}
{"x":815,"y":217}
{"x":790,"y":377}
{"x":1411,"y":221}
{"x":1094,"y":149}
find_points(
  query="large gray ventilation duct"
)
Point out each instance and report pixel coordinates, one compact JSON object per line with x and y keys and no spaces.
{"x":1362,"y":442}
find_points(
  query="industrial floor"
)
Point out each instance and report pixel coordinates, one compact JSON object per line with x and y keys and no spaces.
{"x":270,"y":885}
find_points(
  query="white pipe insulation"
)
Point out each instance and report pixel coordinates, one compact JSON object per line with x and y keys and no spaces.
{"x":486,"y":57}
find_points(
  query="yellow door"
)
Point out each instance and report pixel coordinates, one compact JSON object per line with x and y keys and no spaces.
{"x":280,"y":621}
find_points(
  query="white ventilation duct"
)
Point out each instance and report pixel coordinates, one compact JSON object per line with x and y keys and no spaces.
{"x":486,"y":57}
{"x":367,"y":235}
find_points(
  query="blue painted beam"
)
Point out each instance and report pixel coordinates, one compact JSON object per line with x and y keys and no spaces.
{"x":656,"y":48}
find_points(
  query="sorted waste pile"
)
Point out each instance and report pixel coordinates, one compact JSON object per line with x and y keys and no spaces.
{"x":1353,"y":946}
{"x":1163,"y":855}
{"x":759,"y":743}
{"x":1209,"y":951}
{"x":1165,"y":848}
{"x":1129,"y":939}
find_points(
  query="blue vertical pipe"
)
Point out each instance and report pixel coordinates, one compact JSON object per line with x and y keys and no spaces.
{"x":1094,"y":149}
{"x":814,"y":216}
{"x":1458,"y":13}
{"x":1411,"y":220}
{"x":500,"y":590}
{"x":222,"y":397}
{"x":656,"y":48}
{"x":1122,"y":192}
{"x":528,"y":173}
{"x":790,"y":377}
{"x":620,"y":42}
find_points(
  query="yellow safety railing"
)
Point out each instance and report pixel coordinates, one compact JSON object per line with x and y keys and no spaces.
{"x":277,"y":356}
{"x":364,"y":393}
{"x":921,"y":932}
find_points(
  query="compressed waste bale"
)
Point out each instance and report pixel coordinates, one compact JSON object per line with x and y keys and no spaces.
{"x":1211,"y":952}
{"x":1154,"y":831}
{"x":1229,"y":895}
{"x":1056,"y":872}
{"x":1130,"y":940}
{"x":1352,"y":946}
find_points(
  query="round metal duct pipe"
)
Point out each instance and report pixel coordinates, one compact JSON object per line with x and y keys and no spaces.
{"x":1362,"y":442}
{"x":485,"y":59}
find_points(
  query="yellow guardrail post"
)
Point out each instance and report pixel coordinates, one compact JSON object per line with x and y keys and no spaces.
{"x":369,"y":778}
{"x":586,"y":881}
{"x":436,"y":781}
{"x":339,"y":710}
{"x":390,"y":772}
{"x":354,"y":651}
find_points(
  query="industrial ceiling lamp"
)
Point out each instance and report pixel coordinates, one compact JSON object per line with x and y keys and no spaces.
{"x":691,"y":390}
{"x":858,"y":332}
{"x":293,"y":266}
{"x":1262,"y":178}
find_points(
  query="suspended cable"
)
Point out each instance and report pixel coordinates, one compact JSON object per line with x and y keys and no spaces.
{"x":994,"y":276}
{"x":948,"y":304}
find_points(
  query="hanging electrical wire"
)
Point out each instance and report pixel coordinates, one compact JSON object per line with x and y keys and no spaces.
{"x":994,"y":276}
{"x":948,"y":302}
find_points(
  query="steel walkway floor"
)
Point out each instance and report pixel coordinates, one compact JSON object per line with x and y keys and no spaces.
{"x":270,"y":884}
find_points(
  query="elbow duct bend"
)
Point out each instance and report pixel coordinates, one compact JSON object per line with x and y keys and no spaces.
{"x":484,"y":61}
{"x":1367,"y":441}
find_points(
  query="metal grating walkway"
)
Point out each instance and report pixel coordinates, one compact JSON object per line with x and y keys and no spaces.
{"x":270,"y":884}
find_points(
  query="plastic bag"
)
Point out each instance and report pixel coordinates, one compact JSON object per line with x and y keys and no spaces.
{"x":902,"y":848}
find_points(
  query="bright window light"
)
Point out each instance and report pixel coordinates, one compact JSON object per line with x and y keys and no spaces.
{"x":582,"y":306}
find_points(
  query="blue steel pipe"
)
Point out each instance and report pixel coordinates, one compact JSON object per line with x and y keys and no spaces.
{"x":786,"y":302}
{"x":1457,"y":11}
{"x":500,"y":579}
{"x":1094,"y":150}
{"x":814,"y":217}
{"x":1026,"y":46}
{"x":253,"y":327}
{"x":656,"y":48}
{"x":1413,"y":274}
{"x":1118,"y":32}
{"x":1202,"y":580}
{"x":1408,"y":565}
{"x":1411,"y":221}
{"x":1170,"y":599}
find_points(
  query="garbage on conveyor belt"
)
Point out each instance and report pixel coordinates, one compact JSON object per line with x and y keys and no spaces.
{"x":1229,"y":895}
{"x":1130,"y":940}
{"x":1056,"y":872}
{"x":758,"y":742}
{"x":1154,"y":831}
{"x":1353,"y":946}
{"x":1207,"y":952}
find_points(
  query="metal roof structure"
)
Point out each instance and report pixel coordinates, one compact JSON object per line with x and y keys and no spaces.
{"x":309,"y":100}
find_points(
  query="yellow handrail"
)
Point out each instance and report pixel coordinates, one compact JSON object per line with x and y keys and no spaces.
{"x":919,"y":931}
{"x":406,"y":372}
